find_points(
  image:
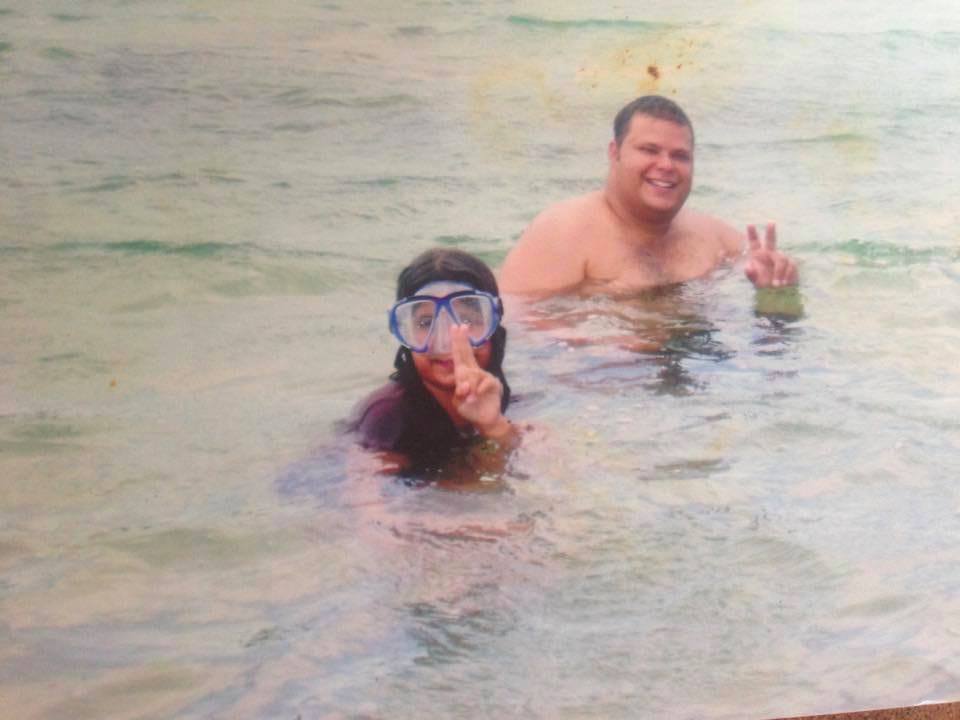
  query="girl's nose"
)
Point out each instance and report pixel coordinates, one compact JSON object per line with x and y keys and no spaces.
{"x":440,"y":337}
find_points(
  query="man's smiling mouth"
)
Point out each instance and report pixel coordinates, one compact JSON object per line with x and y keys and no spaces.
{"x":665,"y":184}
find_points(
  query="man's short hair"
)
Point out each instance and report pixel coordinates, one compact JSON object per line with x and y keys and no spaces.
{"x":655,"y":106}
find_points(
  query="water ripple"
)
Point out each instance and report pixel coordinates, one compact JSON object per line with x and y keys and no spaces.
{"x":533,"y":21}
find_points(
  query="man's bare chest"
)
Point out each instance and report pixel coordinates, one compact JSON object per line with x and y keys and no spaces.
{"x":626,"y":267}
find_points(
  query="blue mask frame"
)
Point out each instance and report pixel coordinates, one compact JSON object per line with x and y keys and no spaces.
{"x":441,"y":304}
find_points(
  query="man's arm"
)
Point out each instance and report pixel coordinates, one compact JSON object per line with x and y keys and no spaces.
{"x":548,"y":257}
{"x":734,"y":242}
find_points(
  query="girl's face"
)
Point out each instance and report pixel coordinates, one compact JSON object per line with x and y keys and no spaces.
{"x":435,"y":366}
{"x":437,"y":370}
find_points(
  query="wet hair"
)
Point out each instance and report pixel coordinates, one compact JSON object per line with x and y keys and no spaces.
{"x":655,"y":106}
{"x":451,"y":265}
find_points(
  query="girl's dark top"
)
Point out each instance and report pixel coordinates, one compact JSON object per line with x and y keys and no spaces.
{"x":408,"y":421}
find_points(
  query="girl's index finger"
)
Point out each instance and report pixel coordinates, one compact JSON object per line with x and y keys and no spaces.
{"x":461,"y":350}
{"x":753,"y":239}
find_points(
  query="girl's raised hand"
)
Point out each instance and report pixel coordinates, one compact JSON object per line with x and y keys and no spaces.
{"x":478,"y":394}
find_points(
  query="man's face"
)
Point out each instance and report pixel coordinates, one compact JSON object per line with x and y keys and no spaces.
{"x":652,"y":169}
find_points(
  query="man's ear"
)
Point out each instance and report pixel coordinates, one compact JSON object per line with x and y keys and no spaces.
{"x":613,"y":151}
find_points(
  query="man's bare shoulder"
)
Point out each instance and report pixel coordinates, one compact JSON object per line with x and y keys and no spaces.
{"x":709,"y":228}
{"x":551,"y":254}
{"x":567,"y":219}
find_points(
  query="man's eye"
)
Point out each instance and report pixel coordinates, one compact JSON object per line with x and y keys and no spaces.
{"x":424,"y":322}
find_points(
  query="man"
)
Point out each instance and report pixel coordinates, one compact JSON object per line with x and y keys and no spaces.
{"x":635,"y":234}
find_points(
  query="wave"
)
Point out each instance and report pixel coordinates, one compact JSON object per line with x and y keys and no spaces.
{"x":864,"y":250}
{"x":832,"y":138}
{"x":624,"y":23}
{"x":947,"y":38}
{"x":843,"y":30}
{"x":389,"y":181}
{"x":214,"y":250}
{"x":838,"y":138}
{"x":70,"y":18}
{"x":151,"y":247}
{"x":59,"y":53}
{"x":304,"y":98}
{"x":414,"y":31}
{"x":885,"y":253}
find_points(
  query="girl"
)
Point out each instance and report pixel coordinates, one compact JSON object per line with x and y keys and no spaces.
{"x":448,"y":391}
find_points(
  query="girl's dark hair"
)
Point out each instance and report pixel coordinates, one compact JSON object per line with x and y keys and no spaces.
{"x":448,"y":264}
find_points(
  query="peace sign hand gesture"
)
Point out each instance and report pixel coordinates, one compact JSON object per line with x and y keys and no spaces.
{"x":767,"y":267}
{"x":477,"y":394}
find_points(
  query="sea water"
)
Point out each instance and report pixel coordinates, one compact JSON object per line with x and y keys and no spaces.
{"x":203,"y":210}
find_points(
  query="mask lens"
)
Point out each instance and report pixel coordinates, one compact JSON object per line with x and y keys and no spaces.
{"x":414,"y":320}
{"x":477,"y":313}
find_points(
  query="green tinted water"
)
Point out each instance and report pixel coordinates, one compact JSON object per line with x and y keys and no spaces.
{"x":203,"y":210}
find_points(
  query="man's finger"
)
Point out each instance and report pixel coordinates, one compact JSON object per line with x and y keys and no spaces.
{"x":788,"y":276}
{"x":770,"y":239}
{"x":753,"y":239}
{"x":780,"y":267}
{"x":761,"y":269}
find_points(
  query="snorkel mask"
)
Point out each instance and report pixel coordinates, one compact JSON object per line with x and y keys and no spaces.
{"x":422,"y":321}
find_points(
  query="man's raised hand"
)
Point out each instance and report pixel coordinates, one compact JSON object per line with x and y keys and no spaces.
{"x":766,"y":266}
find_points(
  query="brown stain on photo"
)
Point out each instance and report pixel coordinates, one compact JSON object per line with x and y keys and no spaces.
{"x":655,"y":64}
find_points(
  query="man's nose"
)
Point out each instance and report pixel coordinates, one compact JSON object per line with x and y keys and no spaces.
{"x":664,"y":161}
